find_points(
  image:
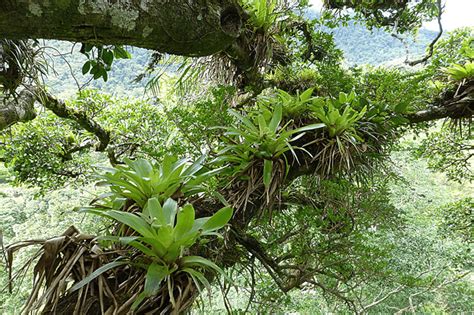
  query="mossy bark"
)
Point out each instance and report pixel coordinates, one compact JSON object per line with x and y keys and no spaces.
{"x":183,"y":27}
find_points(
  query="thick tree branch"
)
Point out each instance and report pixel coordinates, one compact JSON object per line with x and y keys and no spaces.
{"x":180,"y":27}
{"x":18,"y":108}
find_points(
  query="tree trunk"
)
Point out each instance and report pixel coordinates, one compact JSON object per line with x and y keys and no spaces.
{"x":182,"y":27}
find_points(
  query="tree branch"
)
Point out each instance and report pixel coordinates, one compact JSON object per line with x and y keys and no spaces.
{"x":459,"y":105}
{"x":179,"y":27}
{"x":435,"y":40}
{"x":18,"y":108}
{"x":61,"y":110}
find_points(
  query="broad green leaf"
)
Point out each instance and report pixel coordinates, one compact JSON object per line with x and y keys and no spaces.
{"x":155,"y":210}
{"x":97,"y":273}
{"x":308,"y":128}
{"x":155,"y":275}
{"x":267,"y":172}
{"x":131,"y":241}
{"x":170,"y":207}
{"x":262,"y":124}
{"x":142,"y":167}
{"x":342,"y":97}
{"x":138,"y":300}
{"x":189,"y":261}
{"x":86,"y":67}
{"x":165,"y":235}
{"x":244,"y":120}
{"x":133,"y":221}
{"x":121,"y":53}
{"x":306,"y":95}
{"x":218,"y":220}
{"x":276,"y":118}
{"x":155,"y":243}
{"x":185,"y":221}
{"x":195,"y":167}
{"x":108,"y":57}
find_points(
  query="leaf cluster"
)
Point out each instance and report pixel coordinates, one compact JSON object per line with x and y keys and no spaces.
{"x":101,"y":59}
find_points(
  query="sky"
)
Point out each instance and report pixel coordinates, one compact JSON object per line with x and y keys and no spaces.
{"x":457,"y":13}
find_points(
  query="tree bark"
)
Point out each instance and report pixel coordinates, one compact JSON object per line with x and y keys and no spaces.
{"x":18,"y":109}
{"x":182,"y":27}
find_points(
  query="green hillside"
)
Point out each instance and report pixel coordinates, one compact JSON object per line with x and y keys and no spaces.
{"x":362,"y":46}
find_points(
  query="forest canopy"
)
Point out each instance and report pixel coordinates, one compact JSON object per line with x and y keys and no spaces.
{"x":243,"y":153}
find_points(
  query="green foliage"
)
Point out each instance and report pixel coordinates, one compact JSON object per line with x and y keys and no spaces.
{"x":164,"y":231}
{"x":402,"y":17}
{"x":140,"y":180}
{"x":194,"y":121}
{"x":297,"y":105}
{"x":329,"y":112}
{"x":40,"y":153}
{"x":448,"y":148}
{"x":164,"y":234}
{"x":348,"y":232}
{"x":457,"y":219}
{"x":460,"y":72}
{"x":50,"y":151}
{"x":392,"y":93}
{"x":261,"y":138}
{"x":262,"y":13}
{"x":101,"y":59}
{"x":453,"y":48}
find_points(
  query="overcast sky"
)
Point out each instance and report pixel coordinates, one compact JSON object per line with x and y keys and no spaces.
{"x":457,"y":13}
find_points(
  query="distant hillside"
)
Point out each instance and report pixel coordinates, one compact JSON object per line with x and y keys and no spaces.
{"x":360,"y":46}
{"x":375,"y":47}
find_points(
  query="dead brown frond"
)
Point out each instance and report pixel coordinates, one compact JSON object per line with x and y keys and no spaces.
{"x":343,"y":154}
{"x":64,"y":261}
{"x":247,"y":188}
{"x":61,"y":261}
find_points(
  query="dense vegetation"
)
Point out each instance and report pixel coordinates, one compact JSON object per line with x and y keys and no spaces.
{"x":297,"y":172}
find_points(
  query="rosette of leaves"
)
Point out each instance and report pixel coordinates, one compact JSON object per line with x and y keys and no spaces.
{"x":144,"y":262}
{"x":342,"y":141}
{"x":262,"y":13}
{"x":295,"y":105}
{"x":459,"y":72}
{"x":338,"y":115}
{"x":162,"y":237}
{"x":255,"y":149}
{"x":140,"y":180}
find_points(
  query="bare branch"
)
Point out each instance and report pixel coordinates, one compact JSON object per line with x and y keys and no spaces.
{"x":435,"y":40}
